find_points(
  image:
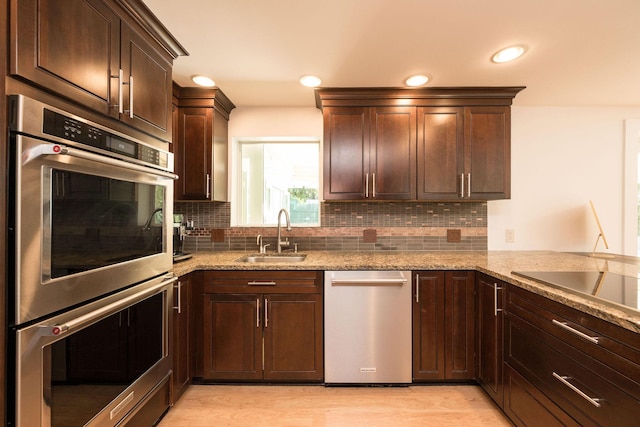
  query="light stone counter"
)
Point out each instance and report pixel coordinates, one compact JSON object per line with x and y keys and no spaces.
{"x":498,"y":264}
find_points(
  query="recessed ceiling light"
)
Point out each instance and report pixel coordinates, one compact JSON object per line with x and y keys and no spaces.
{"x":310,"y":80}
{"x":417,"y":80}
{"x":203,"y":80}
{"x":508,"y":54}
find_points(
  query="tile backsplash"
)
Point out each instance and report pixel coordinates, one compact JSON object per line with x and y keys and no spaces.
{"x":361,"y":226}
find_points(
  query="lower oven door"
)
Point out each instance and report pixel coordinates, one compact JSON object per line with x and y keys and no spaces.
{"x":94,"y":364}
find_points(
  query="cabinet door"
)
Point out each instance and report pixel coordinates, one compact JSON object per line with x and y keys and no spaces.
{"x":487,"y":137}
{"x":460,"y":325}
{"x":428,"y":326}
{"x":147,"y":94}
{"x":346,"y":152}
{"x":293,"y":337}
{"x":193,"y":153}
{"x":490,"y":354}
{"x":181,"y":346}
{"x":232,"y":333}
{"x":73,"y":51}
{"x":440,"y":152}
{"x":392,"y":162}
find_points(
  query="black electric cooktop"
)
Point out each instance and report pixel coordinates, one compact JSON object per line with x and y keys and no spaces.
{"x":602,"y":286}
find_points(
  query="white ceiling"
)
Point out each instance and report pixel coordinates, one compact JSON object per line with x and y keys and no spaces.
{"x":580,"y":52}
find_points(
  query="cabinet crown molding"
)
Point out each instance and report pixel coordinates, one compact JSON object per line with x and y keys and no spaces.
{"x":403,"y":96}
{"x":145,"y":18}
{"x":203,"y":97}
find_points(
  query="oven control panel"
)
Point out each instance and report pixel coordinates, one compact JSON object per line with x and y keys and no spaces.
{"x":71,"y":129}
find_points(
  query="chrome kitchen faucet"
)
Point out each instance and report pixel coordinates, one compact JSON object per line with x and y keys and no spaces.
{"x":279,"y":242}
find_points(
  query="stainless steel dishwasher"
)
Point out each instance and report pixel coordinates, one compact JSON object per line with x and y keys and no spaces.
{"x":367,"y":327}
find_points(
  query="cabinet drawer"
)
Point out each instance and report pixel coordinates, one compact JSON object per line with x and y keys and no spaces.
{"x":253,"y":281}
{"x":591,"y":392}
{"x":527,"y":406}
{"x":610,"y":344}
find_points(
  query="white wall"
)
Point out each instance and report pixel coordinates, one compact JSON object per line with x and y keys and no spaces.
{"x":249,"y":122}
{"x":562,"y":157}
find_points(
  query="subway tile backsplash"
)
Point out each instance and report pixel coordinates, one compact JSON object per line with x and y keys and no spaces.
{"x":405,"y":226}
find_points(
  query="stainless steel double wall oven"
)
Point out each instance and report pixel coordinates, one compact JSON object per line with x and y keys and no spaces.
{"x":90,"y":221}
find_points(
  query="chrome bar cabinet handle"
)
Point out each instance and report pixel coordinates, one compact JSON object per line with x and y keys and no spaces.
{"x":261,"y":283}
{"x":366,"y":185}
{"x":417,"y":288}
{"x":469,"y":185}
{"x":496,"y":288}
{"x":566,"y":326}
{"x":373,"y":180}
{"x":131,"y":97}
{"x":257,"y":312}
{"x":565,"y":380}
{"x":178,"y":287}
{"x":266,"y":313}
{"x":462,"y":185}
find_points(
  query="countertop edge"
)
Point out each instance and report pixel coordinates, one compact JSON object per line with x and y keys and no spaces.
{"x":498,"y":264}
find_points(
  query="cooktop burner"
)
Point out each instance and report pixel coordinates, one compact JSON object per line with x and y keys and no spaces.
{"x":598,"y":285}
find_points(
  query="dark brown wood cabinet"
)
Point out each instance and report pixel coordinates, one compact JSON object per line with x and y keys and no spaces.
{"x":417,"y":144}
{"x":182,"y":344}
{"x":440,"y":152}
{"x":587,"y":369}
{"x":369,"y":153}
{"x":444,"y":326}
{"x":464,"y":153}
{"x":200,"y":144}
{"x":112,"y":57}
{"x":263,"y":326}
{"x":487,"y":153}
{"x":489,"y":338}
{"x":526,"y":406}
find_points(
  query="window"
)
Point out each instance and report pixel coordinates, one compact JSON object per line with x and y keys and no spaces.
{"x":277,"y":174}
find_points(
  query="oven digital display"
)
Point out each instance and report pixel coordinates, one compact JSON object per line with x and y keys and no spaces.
{"x":121,"y":146}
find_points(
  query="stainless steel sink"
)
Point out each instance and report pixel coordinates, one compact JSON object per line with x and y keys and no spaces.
{"x":284,"y":258}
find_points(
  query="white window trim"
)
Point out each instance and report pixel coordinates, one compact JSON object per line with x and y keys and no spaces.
{"x":236,"y":174}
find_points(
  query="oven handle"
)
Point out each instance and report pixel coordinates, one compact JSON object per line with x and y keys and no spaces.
{"x":58,"y":149}
{"x":108,"y":310}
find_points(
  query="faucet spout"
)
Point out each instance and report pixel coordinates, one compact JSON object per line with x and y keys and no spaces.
{"x":281,"y":243}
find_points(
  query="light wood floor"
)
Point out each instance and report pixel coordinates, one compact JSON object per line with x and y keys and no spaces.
{"x":319,"y":406}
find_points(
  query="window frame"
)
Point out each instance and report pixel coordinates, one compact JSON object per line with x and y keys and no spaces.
{"x":236,"y":174}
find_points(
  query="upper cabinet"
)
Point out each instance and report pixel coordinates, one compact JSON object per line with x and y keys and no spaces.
{"x":111,"y":56}
{"x":369,"y":153}
{"x":200,"y":143}
{"x":417,"y":144}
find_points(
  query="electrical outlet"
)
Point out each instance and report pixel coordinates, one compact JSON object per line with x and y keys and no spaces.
{"x":510,"y":235}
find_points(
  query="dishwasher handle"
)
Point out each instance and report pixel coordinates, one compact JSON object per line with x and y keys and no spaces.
{"x":368,"y":282}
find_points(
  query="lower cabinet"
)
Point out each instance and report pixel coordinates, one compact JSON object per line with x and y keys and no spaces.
{"x":263,"y":326}
{"x":182,"y":345}
{"x":586,"y":367}
{"x":489,"y":329}
{"x":443,"y":325}
{"x":527,"y":406}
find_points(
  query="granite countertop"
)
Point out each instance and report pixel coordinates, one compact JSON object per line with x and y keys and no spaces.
{"x":498,"y":264}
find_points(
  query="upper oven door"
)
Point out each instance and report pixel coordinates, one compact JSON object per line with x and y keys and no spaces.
{"x":85,"y":225}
